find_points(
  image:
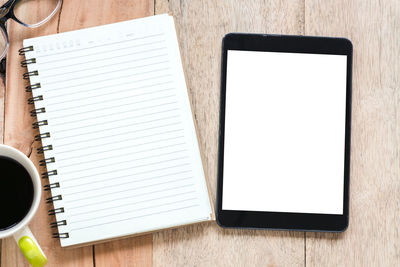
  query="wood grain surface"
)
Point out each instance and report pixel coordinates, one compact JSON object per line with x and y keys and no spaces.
{"x":372,"y":238}
{"x":201,"y":26}
{"x":2,"y":93}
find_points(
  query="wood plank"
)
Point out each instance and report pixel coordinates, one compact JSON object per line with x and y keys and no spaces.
{"x":135,"y":251}
{"x":2,"y":94}
{"x":18,"y":133}
{"x":201,"y":26}
{"x":372,"y":238}
{"x":82,"y":14}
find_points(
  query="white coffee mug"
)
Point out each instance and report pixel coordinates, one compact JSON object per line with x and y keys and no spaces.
{"x":21,"y":232}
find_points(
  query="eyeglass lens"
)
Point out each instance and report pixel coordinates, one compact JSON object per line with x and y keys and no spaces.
{"x":32,"y":13}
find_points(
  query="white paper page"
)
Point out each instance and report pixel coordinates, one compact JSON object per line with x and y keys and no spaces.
{"x":126,"y":151}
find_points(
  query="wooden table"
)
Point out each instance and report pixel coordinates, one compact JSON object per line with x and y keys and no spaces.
{"x":373,"y":237}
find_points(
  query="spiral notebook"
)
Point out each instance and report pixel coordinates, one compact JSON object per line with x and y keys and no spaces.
{"x":117,"y":131}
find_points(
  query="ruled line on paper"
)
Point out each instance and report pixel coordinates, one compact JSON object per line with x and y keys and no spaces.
{"x":118,"y":134}
{"x":125,"y":190}
{"x":141,"y":216}
{"x":125,"y":176}
{"x":115,"y":85}
{"x":125,"y":113}
{"x":163,"y":54}
{"x":126,"y":154}
{"x":137,"y":173}
{"x":129,"y":203}
{"x":124,"y":126}
{"x":136,"y":195}
{"x":136,"y":123}
{"x":108,"y":65}
{"x":102,"y":102}
{"x":116,"y":106}
{"x":135,"y":210}
{"x":106,"y":80}
{"x":126,"y":161}
{"x":129,"y":168}
{"x":133,"y":153}
{"x":122,"y":177}
{"x":94,"y":54}
{"x":143,"y":136}
{"x":128,"y":104}
{"x":102,"y":45}
{"x":121,"y":141}
{"x":106,"y":74}
{"x":111,"y":93}
{"x":110,"y":193}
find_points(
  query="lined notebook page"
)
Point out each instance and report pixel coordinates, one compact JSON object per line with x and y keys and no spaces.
{"x":124,"y":142}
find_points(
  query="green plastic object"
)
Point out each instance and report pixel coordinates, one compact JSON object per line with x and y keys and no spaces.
{"x":32,"y":252}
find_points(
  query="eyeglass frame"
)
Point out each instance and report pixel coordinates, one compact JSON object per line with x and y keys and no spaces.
{"x":7,"y":12}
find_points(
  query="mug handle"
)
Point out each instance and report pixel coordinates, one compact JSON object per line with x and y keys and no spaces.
{"x":30,"y":247}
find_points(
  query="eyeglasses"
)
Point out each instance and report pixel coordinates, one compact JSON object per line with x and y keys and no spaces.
{"x":29,"y":13}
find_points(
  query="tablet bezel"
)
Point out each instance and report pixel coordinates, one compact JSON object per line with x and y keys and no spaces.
{"x":285,"y":220}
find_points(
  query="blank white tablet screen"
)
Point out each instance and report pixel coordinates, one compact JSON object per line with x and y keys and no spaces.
{"x":284,"y":132}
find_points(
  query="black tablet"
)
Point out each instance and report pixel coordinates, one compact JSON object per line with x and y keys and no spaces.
{"x":284,"y":137}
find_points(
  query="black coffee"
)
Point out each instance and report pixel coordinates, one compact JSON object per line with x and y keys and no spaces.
{"x":16,"y":192}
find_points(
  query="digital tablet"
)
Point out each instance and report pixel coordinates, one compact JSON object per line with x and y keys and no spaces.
{"x":284,"y":137}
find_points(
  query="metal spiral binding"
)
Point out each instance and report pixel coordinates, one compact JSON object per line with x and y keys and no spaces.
{"x":58,"y":223}
{"x":47,"y":187}
{"x":32,"y":100}
{"x":37,"y":124}
{"x":52,"y":199}
{"x":37,"y":111}
{"x":29,"y":88}
{"x":28,"y":74}
{"x":41,"y":136}
{"x":23,"y":50}
{"x":48,"y":174}
{"x":60,"y":235}
{"x":28,"y":61}
{"x":44,"y":162}
{"x":55,"y":211}
{"x":41,"y":149}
